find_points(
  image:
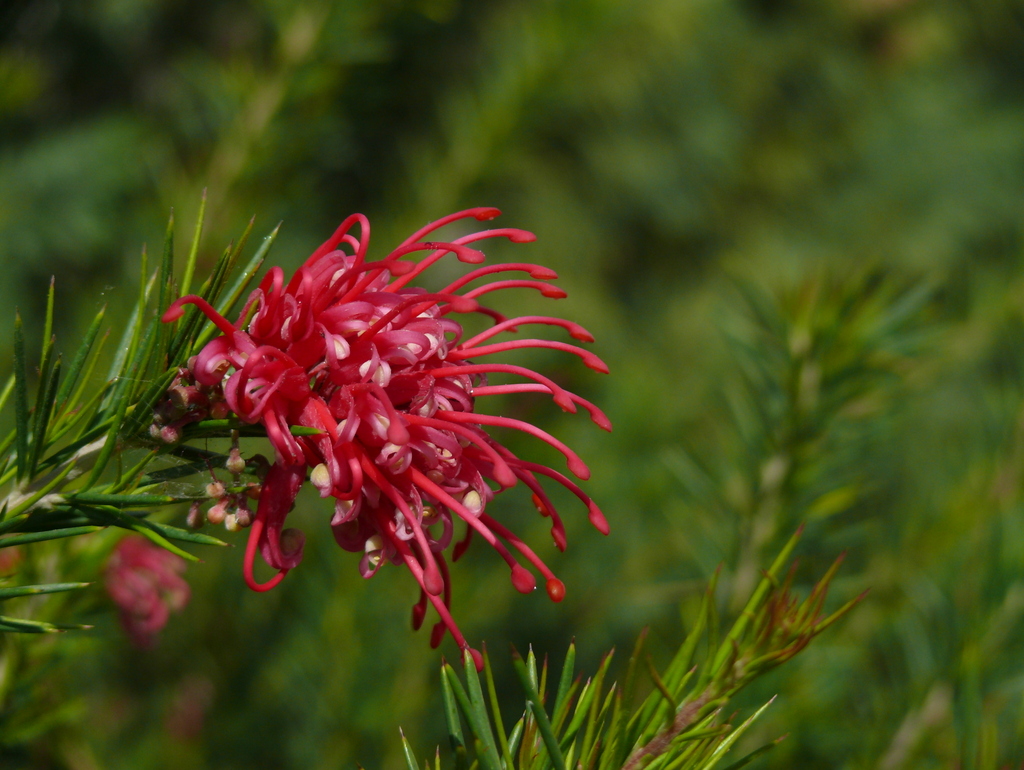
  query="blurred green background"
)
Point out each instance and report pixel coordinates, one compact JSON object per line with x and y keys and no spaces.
{"x":794,"y":227}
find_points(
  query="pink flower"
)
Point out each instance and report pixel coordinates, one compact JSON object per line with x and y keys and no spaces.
{"x":381,"y":369}
{"x":145,"y":582}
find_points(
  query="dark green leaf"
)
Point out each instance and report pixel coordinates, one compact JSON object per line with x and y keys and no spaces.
{"x":166,"y":267}
{"x":184,"y":535}
{"x":480,"y":718}
{"x":44,"y":408}
{"x":53,"y":534}
{"x":79,"y":360}
{"x":123,"y":501}
{"x":718,"y":754}
{"x":536,"y":706}
{"x":21,"y":417}
{"x":451,"y":716}
{"x":478,"y":725}
{"x":35,"y":626}
{"x":50,"y":588}
{"x":760,"y":594}
{"x":565,"y":680}
{"x":503,"y":744}
{"x":411,"y":763}
{"x":6,"y":392}
{"x":743,"y":762}
{"x":193,"y":252}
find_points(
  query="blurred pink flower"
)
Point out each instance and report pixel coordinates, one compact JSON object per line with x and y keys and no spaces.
{"x":380,"y":368}
{"x":145,"y":582}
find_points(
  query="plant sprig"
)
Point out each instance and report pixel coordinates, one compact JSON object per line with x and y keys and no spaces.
{"x":63,"y":462}
{"x":678,"y":726}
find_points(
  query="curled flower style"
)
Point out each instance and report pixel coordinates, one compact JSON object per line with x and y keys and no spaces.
{"x":348,"y":347}
{"x":145,"y":582}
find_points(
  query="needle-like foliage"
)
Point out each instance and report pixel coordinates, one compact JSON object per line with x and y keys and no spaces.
{"x":65,"y":465}
{"x":684,"y":723}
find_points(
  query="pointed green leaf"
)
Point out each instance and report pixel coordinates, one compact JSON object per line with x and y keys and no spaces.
{"x":139,"y":369}
{"x":132,"y":329}
{"x":481,"y":719}
{"x":755,"y":754}
{"x":156,"y":359}
{"x":503,"y":745}
{"x":21,"y":418}
{"x":225,"y":265}
{"x":36,"y":626}
{"x":659,"y":685}
{"x":478,"y":725}
{"x":48,"y":324}
{"x":579,"y":715}
{"x":14,"y":592}
{"x":166,"y":267}
{"x":531,"y":668}
{"x":823,"y":624}
{"x":604,"y":742}
{"x":536,"y":706}
{"x":79,"y":360}
{"x":411,"y":763}
{"x":120,"y":399}
{"x":123,"y":501}
{"x":163,"y":475}
{"x":565,"y":680}
{"x":6,"y":392}
{"x":74,"y":415}
{"x":515,"y":736}
{"x":116,"y":517}
{"x":205,"y":291}
{"x":760,"y":593}
{"x":451,"y":716}
{"x":559,"y":717}
{"x":591,"y":736}
{"x":44,"y":390}
{"x":184,"y":535}
{"x":193,"y":252}
{"x":44,"y":409}
{"x":53,"y":534}
{"x":725,"y":745}
{"x":231,"y":297}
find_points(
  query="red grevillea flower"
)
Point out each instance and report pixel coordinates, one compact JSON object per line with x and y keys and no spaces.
{"x":381,"y":369}
{"x":145,"y":582}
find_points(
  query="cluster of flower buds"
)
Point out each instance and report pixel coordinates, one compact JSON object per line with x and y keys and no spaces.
{"x":230,"y":502}
{"x":185,"y":402}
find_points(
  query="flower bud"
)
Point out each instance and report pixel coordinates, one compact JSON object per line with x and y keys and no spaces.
{"x":186,"y":397}
{"x":217,"y":513}
{"x":243,"y":516}
{"x":235,"y":464}
{"x":170,"y":434}
{"x":195,"y":516}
